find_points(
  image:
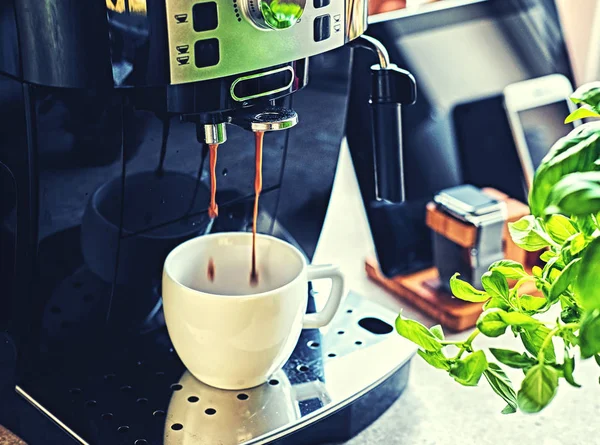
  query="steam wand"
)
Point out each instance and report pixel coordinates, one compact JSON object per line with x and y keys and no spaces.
{"x":391,"y":87}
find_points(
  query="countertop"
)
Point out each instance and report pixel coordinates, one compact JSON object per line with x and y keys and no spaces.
{"x":434,"y":409}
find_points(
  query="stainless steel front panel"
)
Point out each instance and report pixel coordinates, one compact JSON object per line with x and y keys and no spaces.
{"x":242,"y":46}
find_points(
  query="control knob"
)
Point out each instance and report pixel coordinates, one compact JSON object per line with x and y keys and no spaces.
{"x":274,"y":14}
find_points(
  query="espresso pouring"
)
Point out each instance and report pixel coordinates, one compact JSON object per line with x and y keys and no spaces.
{"x":213,"y":209}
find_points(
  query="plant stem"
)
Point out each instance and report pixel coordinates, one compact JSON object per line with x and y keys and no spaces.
{"x":455,"y":343}
{"x":515,"y":289}
{"x":467,"y":344}
{"x":521,"y":282}
{"x":551,"y":335}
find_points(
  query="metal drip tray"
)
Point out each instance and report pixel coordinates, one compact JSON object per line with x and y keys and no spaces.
{"x":338,"y":380}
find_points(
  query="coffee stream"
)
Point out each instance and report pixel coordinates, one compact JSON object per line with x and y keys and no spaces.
{"x":213,"y":209}
{"x":259,"y":135}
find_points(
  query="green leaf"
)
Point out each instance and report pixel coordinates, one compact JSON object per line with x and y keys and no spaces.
{"x":560,"y":228}
{"x":468,"y":371}
{"x":509,"y":410}
{"x":571,"y":313}
{"x":437,"y":331}
{"x":575,"y":194}
{"x":576,"y":152}
{"x":597,"y":358}
{"x":548,"y":267}
{"x":568,"y":368}
{"x":533,"y":337}
{"x":577,"y":243}
{"x":510,"y":269}
{"x":547,"y":256}
{"x":587,"y":282}
{"x":530,"y":303}
{"x":589,"y":334}
{"x":437,"y":359}
{"x":564,"y":280}
{"x":588,"y":94}
{"x":499,"y":303}
{"x":417,"y":333}
{"x":519,"y":319}
{"x":536,"y":271}
{"x":586,"y":224}
{"x":502,"y":386}
{"x":565,"y":257}
{"x":580,"y":113}
{"x":493,"y":322}
{"x":569,"y":337}
{"x":513,"y":358}
{"x":537,"y":389}
{"x":464,"y":291}
{"x":495,"y":284}
{"x":528,"y":234}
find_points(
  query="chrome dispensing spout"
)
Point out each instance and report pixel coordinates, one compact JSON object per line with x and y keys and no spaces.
{"x":269,"y":119}
{"x":215,"y":133}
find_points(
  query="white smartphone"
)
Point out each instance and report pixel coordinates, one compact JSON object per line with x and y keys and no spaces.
{"x":536,"y":111}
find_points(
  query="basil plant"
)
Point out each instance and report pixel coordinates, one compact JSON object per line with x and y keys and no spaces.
{"x":565,"y":226}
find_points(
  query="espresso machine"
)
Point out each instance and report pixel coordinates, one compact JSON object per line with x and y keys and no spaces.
{"x":106,"y":112}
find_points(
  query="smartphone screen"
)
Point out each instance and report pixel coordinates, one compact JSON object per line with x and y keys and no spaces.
{"x":542,"y":127}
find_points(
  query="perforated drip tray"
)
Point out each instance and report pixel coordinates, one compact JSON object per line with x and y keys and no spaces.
{"x":338,"y":380}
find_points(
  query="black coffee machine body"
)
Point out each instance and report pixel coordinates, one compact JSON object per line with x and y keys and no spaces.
{"x":107,"y":110}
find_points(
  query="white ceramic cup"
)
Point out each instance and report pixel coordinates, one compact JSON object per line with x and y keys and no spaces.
{"x":228,"y":333}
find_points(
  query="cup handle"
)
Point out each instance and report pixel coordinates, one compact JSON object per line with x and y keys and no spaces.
{"x":322,"y":318}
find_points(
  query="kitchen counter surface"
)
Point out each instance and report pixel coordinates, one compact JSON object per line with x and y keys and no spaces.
{"x":434,"y":409}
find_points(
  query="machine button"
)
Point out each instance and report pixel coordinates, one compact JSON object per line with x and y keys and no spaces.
{"x":205,"y":16}
{"x":274,"y":15}
{"x":322,"y":28}
{"x":321,"y":3}
{"x":206,"y":52}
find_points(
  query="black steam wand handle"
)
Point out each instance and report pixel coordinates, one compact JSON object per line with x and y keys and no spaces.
{"x":391,"y":87}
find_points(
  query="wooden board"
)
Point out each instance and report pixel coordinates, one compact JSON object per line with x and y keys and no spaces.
{"x":8,"y":438}
{"x":422,"y":290}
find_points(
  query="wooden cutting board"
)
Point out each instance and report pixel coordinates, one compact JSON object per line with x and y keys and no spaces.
{"x":422,"y":291}
{"x":8,"y":438}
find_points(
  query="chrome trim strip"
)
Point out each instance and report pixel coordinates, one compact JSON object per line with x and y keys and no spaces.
{"x":48,"y":414}
{"x":255,"y":76}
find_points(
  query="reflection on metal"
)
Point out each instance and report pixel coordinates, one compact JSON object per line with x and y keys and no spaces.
{"x":141,"y":391}
{"x":115,"y":5}
{"x":356,"y":18}
{"x":377,"y":47}
{"x":271,"y":119}
{"x":138,"y":6}
{"x":135,"y":6}
{"x":215,"y":133}
{"x":328,"y":373}
{"x":240,"y":415}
